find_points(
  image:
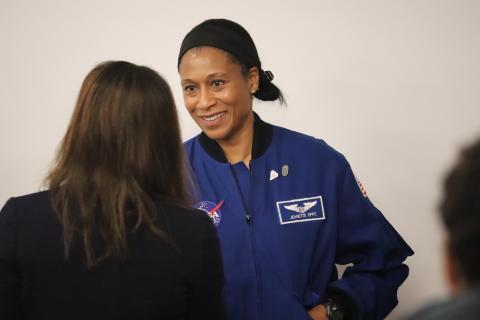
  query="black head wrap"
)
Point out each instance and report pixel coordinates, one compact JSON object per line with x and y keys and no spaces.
{"x":231,"y":37}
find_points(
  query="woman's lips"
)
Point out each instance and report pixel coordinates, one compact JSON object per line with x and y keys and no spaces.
{"x":214,"y":119}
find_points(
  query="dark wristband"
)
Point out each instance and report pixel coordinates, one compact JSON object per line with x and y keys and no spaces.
{"x":334,"y":311}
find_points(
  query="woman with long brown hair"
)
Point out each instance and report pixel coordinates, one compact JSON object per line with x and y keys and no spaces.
{"x":112,"y":237}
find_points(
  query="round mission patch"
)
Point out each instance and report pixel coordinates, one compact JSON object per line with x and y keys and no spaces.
{"x":212,"y":210}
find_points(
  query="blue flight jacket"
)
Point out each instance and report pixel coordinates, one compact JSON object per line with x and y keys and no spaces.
{"x":284,"y":223}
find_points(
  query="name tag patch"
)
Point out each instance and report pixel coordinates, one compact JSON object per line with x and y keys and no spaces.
{"x":301,"y":210}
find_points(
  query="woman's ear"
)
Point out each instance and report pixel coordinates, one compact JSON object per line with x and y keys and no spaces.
{"x":253,"y":79}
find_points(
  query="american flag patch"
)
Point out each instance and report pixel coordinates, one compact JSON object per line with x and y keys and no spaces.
{"x":361,"y":187}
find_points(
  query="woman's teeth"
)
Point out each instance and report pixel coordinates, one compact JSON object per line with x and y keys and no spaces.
{"x":214,"y":117}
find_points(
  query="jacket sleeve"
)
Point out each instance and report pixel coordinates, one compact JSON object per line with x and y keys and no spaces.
{"x":9,"y":277}
{"x":208,"y":279}
{"x":367,"y":241}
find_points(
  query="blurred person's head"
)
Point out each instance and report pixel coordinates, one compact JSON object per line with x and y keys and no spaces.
{"x":460,"y":212}
{"x":121,"y":152}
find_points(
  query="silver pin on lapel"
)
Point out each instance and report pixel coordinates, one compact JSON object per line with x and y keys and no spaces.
{"x":285,"y":170}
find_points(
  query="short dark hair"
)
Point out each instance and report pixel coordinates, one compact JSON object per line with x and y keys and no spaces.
{"x":460,"y":212}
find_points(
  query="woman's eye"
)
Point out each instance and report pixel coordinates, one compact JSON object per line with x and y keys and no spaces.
{"x":217,"y":83}
{"x":189,"y":88}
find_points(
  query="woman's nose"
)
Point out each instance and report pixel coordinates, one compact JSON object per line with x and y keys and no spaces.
{"x":206,"y":99}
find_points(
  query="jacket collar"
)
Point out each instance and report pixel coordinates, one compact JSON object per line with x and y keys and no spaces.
{"x":262,"y":136}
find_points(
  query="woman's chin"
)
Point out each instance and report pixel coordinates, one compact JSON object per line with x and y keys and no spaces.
{"x":215,"y":134}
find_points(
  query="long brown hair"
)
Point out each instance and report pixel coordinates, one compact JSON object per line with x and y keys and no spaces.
{"x":122,"y":151}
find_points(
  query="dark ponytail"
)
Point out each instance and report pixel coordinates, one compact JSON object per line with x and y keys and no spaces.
{"x":267,"y":91}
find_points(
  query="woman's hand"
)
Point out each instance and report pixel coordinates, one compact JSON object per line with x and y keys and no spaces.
{"x":318,"y":313}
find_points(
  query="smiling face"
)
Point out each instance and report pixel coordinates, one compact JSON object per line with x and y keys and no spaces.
{"x":217,"y":94}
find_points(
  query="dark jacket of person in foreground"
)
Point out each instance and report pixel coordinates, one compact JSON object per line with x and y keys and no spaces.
{"x":156,"y":281}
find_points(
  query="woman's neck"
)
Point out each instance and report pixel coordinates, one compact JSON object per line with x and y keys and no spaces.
{"x":239,"y":147}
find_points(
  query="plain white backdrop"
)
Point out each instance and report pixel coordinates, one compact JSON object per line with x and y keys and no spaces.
{"x":393,"y":85}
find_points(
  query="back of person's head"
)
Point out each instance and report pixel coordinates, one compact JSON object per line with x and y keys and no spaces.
{"x":460,"y":212}
{"x":121,"y":152}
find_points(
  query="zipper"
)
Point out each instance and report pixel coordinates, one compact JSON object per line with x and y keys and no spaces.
{"x":251,"y":229}
{"x":253,"y":238}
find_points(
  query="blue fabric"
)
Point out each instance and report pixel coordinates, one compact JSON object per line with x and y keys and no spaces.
{"x":278,"y":270}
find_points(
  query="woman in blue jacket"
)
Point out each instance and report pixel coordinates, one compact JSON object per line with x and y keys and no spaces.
{"x":286,"y":205}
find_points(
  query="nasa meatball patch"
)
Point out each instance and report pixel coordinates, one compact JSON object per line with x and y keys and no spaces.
{"x":212,"y":210}
{"x":301,"y":210}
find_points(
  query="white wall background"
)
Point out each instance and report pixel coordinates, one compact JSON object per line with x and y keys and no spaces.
{"x":394,"y":85}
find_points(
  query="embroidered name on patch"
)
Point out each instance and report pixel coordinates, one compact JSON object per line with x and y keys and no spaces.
{"x":301,"y":210}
